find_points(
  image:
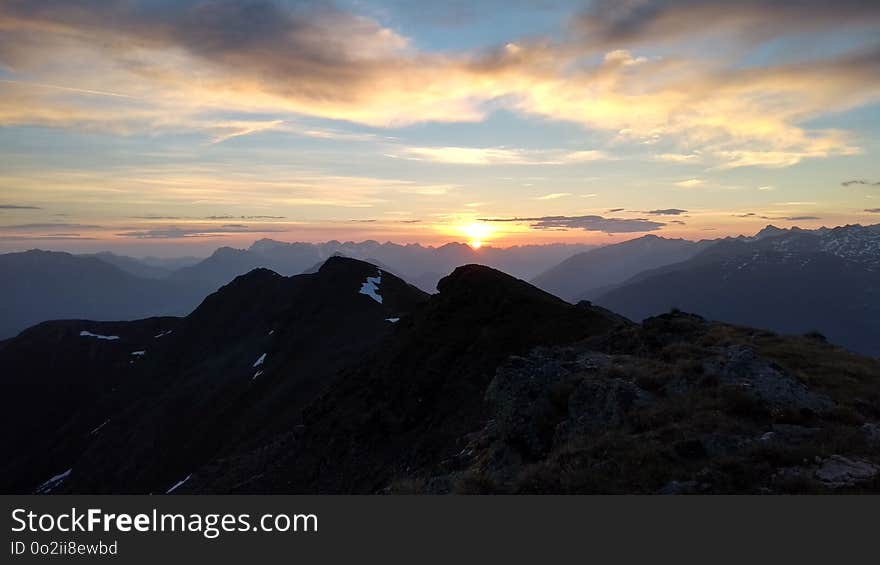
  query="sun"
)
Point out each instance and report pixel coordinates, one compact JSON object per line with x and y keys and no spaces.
{"x":477,"y":233}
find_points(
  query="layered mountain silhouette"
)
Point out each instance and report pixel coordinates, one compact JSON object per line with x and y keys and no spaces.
{"x":350,"y":380}
{"x":791,"y":281}
{"x":43,"y":285}
{"x":421,"y":265}
{"x":178,"y":391}
{"x":46,"y":285}
{"x":585,"y":275}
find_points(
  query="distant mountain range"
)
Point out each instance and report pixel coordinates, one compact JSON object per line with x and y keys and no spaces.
{"x":350,"y":380}
{"x":791,"y":281}
{"x":42,"y":285}
{"x":46,"y":285}
{"x":584,"y":275}
{"x":420,"y":265}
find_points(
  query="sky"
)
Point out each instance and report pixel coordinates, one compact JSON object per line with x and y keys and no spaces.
{"x":173,"y":127}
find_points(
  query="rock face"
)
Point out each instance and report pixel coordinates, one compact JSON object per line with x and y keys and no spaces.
{"x":677,"y":405}
{"x":597,"y":404}
{"x":838,"y":471}
{"x":535,"y":398}
{"x":739,"y":366}
{"x":872,"y":433}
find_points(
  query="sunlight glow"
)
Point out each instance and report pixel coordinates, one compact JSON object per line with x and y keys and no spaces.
{"x":477,"y":233}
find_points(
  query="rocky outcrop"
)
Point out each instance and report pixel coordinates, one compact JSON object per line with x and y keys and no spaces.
{"x":739,"y":366}
{"x":838,"y":471}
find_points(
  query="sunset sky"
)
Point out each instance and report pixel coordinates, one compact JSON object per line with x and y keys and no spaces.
{"x":173,"y":127}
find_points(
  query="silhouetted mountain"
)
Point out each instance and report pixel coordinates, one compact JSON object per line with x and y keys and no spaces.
{"x":408,"y":405}
{"x":420,"y":265}
{"x":349,"y":380}
{"x":132,"y":266}
{"x":791,"y":281}
{"x":44,"y":285}
{"x":239,"y":368}
{"x":584,"y":275}
{"x":222,"y":266}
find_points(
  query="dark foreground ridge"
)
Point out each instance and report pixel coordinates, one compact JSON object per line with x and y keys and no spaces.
{"x":349,"y":380}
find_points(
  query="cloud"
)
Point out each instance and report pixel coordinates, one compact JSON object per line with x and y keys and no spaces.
{"x":49,"y":226}
{"x":677,"y":158}
{"x":43,"y":237}
{"x":554,"y":196}
{"x":229,"y":130}
{"x":873,"y":210}
{"x":586,"y":223}
{"x":501,"y":156}
{"x":18,"y":207}
{"x":690,"y":183}
{"x":130,"y":67}
{"x":626,"y":22}
{"x":859,"y":182}
{"x":204,"y":231}
{"x":244,"y":217}
{"x":317,"y":60}
{"x":766,"y":217}
{"x":612,"y":210}
{"x":667,"y":212}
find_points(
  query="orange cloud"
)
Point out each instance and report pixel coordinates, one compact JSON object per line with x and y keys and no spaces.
{"x":126,"y":70}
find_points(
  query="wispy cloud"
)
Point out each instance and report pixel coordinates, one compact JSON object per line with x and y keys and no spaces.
{"x":501,"y":156}
{"x":44,"y":237}
{"x":196,"y":231}
{"x":667,"y":212}
{"x":554,"y":196}
{"x":690,"y":183}
{"x":18,"y":207}
{"x":863,"y":182}
{"x":316,"y":60}
{"x":678,"y":157}
{"x":586,"y":223}
{"x":35,"y":227}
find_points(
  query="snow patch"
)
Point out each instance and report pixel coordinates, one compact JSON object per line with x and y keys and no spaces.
{"x":392,"y":320}
{"x":257,"y":374}
{"x":140,"y":353}
{"x":98,"y":429}
{"x":90,"y":334}
{"x":259,"y":360}
{"x":49,"y":485}
{"x":163,"y":334}
{"x":178,"y":484}
{"x":271,"y":332}
{"x":371,"y":287}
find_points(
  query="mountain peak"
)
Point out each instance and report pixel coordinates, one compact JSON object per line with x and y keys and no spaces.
{"x":338,"y":263}
{"x":476,"y":277}
{"x":769,"y":231}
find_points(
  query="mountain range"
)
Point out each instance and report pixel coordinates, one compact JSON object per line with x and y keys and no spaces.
{"x":790,"y":281}
{"x":43,"y":285}
{"x":350,"y":380}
